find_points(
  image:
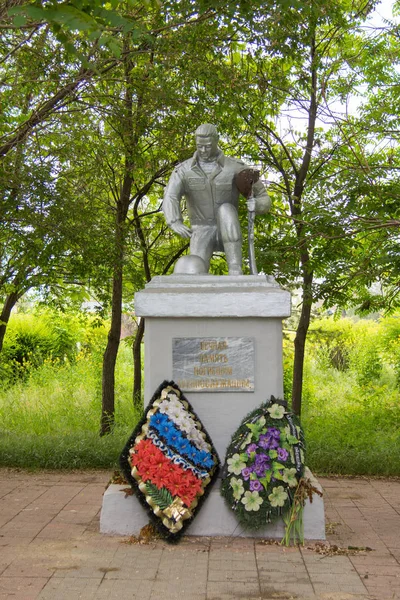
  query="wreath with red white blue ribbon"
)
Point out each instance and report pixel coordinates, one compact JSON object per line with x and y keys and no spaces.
{"x":170,"y":461}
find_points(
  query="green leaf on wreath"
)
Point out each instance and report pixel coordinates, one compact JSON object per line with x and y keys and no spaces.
{"x":161,"y":496}
{"x":265,"y":480}
{"x":273,"y":453}
{"x":277,"y":466}
{"x":256,"y":429}
{"x":244,"y":457}
{"x":292,"y":439}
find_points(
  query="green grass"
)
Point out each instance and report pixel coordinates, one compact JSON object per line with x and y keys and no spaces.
{"x":52,"y":420}
{"x":351,"y":429}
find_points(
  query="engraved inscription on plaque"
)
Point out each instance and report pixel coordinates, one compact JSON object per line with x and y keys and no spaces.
{"x":213,"y":364}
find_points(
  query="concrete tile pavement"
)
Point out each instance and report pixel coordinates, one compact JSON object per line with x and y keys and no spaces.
{"x":51,"y":548}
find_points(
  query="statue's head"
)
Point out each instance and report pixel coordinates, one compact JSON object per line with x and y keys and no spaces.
{"x":207,"y":142}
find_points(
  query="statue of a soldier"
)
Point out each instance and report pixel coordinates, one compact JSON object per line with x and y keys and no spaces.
{"x":208,"y":182}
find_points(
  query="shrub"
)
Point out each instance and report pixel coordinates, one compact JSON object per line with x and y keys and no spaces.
{"x":47,"y":335}
{"x":330,"y":341}
{"x":390,"y":342}
{"x":365,"y":357}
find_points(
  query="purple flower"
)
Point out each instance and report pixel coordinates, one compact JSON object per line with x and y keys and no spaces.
{"x":274,"y":432}
{"x":268,"y":441}
{"x":262,"y":459}
{"x":282,"y":454}
{"x":273,"y":444}
{"x":251,"y":448}
{"x":263,"y":441}
{"x":246,"y":472}
{"x":261,"y":469}
{"x":255,"y":485}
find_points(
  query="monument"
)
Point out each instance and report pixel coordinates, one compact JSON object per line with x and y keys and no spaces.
{"x":218,"y":337}
{"x":211,"y":184}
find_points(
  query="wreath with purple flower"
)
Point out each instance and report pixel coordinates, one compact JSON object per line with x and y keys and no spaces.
{"x":264,"y":464}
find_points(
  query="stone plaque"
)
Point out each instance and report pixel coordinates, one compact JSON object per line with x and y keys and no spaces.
{"x":223,"y":364}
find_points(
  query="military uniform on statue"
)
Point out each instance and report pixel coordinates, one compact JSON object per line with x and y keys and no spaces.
{"x":207,"y":181}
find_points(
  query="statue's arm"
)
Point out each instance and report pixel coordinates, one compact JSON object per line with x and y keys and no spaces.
{"x":172,"y":205}
{"x":262,"y":199}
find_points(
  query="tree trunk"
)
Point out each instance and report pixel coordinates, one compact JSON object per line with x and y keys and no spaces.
{"x":137,"y":364}
{"x":110,"y":354}
{"x":9,"y":304}
{"x":300,"y":343}
{"x":307,"y":299}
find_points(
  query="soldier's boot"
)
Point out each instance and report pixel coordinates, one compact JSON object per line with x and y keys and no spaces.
{"x":233,"y":253}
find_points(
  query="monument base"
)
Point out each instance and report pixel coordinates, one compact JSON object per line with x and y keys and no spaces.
{"x":215,"y":307}
{"x":122,"y":514}
{"x":218,"y":309}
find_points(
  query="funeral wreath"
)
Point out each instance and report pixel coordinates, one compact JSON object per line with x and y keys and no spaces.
{"x":170,"y":461}
{"x":264,"y":464}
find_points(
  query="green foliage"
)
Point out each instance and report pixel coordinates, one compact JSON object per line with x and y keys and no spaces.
{"x":288,"y":354}
{"x":96,"y":20}
{"x":161,"y":496}
{"x":390,"y":342}
{"x":47,"y":336}
{"x":51,"y":420}
{"x":331,"y":341}
{"x":351,"y":418}
{"x":347,"y":345}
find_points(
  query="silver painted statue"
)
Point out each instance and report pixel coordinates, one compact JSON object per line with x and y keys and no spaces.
{"x":208,"y":182}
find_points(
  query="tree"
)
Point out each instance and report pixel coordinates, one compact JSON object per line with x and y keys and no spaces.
{"x":301,"y":63}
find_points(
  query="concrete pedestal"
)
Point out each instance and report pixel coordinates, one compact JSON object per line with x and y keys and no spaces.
{"x":123,"y":515}
{"x":207,"y":306}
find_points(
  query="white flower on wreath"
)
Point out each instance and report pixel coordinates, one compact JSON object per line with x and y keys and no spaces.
{"x":235,"y":464}
{"x":163,"y":406}
{"x":278,"y":496}
{"x":195,"y":436}
{"x":276,"y":411}
{"x":185,"y":422}
{"x":247,"y":440}
{"x":175,"y":411}
{"x":252,"y":501}
{"x":178,"y":415}
{"x":237,"y":486}
{"x":174,"y":404}
{"x":289,"y":477}
{"x":201,"y":444}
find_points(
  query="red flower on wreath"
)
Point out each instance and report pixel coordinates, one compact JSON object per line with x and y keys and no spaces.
{"x":152,"y":465}
{"x":187,"y":495}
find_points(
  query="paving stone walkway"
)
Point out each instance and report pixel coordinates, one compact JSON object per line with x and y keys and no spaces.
{"x":51,"y":549}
